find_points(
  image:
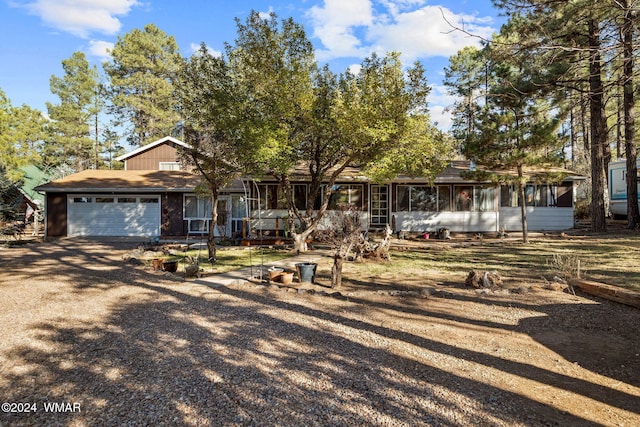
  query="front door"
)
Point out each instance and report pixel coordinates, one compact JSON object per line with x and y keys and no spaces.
{"x":379,"y":206}
{"x":223,"y":225}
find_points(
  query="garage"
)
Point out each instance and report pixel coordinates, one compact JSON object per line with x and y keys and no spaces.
{"x":113,"y":215}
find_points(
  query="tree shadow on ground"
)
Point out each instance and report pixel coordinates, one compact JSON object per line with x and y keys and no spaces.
{"x":187,"y":354}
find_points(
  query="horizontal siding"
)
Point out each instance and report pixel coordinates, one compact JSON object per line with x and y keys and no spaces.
{"x":460,"y":222}
{"x":538,"y":219}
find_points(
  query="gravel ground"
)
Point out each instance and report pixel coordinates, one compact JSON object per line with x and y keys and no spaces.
{"x":113,"y":344}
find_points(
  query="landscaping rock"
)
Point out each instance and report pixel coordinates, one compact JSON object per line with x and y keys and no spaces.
{"x":483,"y":279}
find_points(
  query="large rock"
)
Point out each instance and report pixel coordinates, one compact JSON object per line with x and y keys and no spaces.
{"x":483,"y":279}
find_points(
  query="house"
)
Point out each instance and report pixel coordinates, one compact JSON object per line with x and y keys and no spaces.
{"x":153,"y":197}
{"x":452,"y":201}
{"x":32,"y":207}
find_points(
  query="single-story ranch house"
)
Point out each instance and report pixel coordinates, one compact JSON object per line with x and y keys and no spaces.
{"x":154,"y":197}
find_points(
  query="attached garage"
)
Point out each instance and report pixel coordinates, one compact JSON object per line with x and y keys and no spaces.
{"x":113,"y":215}
{"x":118,"y":203}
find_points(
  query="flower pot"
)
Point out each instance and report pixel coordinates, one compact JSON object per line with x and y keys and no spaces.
{"x":275,"y":273}
{"x":306,"y":271}
{"x":157,"y":263}
{"x":170,"y":266}
{"x":286,"y":278}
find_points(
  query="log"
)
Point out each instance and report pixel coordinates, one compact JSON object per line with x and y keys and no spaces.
{"x":612,"y":293}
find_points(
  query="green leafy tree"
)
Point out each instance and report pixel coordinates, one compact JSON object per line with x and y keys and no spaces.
{"x":141,"y":77}
{"x":70,"y":138}
{"x":210,"y":103}
{"x":10,"y":198}
{"x":307,"y":116}
{"x":21,"y":133}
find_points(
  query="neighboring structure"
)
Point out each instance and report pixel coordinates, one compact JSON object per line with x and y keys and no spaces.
{"x":152,"y":197}
{"x":618,"y":188}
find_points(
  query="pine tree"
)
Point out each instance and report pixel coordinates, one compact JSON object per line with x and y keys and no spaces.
{"x":141,"y":77}
{"x":70,"y":138}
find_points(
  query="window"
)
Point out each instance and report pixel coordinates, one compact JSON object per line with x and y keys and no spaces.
{"x":104,"y":199}
{"x":300,"y":196}
{"x":126,"y":199}
{"x":82,"y":200}
{"x":345,"y":195}
{"x":169,"y":166}
{"x":540,"y":195}
{"x":484,"y":198}
{"x":412,"y":198}
{"x":270,"y":196}
{"x":444,"y":198}
{"x":464,"y":198}
{"x":148,"y":200}
{"x":475,"y":198}
{"x":197,"y":207}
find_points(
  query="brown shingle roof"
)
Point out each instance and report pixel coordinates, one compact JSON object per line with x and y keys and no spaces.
{"x":123,"y":180}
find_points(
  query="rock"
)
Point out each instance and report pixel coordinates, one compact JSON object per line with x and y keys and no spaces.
{"x":427,"y":292}
{"x":483,"y":279}
{"x":556,"y":286}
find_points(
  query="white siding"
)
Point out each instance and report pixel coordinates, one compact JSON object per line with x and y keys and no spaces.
{"x":455,"y":221}
{"x":538,"y":219}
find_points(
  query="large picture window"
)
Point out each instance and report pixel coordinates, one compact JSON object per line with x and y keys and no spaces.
{"x":270,"y":196}
{"x":540,"y":195}
{"x":345,"y":195}
{"x":416,"y":198}
{"x":197,"y":207}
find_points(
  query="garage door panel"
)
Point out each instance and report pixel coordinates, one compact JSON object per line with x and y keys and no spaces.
{"x":113,"y":218}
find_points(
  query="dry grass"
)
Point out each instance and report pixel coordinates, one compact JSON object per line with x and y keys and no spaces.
{"x":611,"y":259}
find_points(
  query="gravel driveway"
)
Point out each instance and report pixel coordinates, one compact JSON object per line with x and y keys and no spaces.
{"x":89,"y":340}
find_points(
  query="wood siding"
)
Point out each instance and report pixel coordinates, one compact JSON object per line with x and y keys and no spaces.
{"x":56,"y":211}
{"x":150,"y":159}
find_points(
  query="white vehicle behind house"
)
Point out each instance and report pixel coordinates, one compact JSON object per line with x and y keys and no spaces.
{"x":618,"y":188}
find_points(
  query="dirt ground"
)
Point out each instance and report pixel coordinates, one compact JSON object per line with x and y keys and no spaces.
{"x":118,"y":344}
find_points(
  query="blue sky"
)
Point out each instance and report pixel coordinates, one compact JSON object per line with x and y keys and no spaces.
{"x":38,"y":34}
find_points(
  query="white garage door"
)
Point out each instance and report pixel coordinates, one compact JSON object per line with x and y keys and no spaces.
{"x":91,"y":215}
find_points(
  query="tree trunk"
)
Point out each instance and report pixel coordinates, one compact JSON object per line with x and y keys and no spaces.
{"x":336,"y":272}
{"x":300,"y":240}
{"x":633,"y":213}
{"x":598,"y":128}
{"x":211,"y":237}
{"x":523,"y":206}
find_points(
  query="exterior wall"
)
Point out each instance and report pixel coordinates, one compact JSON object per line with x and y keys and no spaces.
{"x":150,"y":159}
{"x":460,"y":222}
{"x":56,"y":212}
{"x":172,"y":222}
{"x":538,"y":219}
{"x":272,"y":219}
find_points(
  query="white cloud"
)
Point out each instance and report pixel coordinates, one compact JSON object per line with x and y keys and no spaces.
{"x":195,"y":47}
{"x":82,"y":17}
{"x":100,"y":49}
{"x":267,"y":14}
{"x":439,"y":103}
{"x":336,"y":25}
{"x":355,"y":69}
{"x":355,"y":29}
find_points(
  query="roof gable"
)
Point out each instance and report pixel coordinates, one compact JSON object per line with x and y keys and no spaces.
{"x":151,"y":145}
